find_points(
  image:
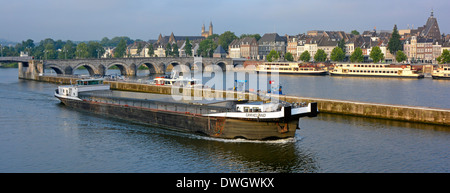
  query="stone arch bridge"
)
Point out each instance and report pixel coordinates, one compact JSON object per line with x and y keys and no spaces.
{"x":129,"y":66}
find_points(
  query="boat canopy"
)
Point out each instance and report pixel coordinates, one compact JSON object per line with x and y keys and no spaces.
{"x":89,"y":81}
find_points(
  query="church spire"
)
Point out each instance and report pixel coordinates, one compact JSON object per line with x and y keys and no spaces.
{"x":210,"y":28}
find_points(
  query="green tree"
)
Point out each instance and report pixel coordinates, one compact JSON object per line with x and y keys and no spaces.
{"x":8,"y":51}
{"x":444,"y":58}
{"x":175,"y":52}
{"x":305,"y":56}
{"x":341,"y":44}
{"x":320,"y":56}
{"x":337,"y":54}
{"x":400,"y":56}
{"x":213,"y":37}
{"x":289,"y":57}
{"x":273,"y":55}
{"x":104,"y":41}
{"x":151,"y":51}
{"x":168,"y":50}
{"x":82,"y":50}
{"x":376,"y":54}
{"x":26,"y":46}
{"x":49,"y":51}
{"x":29,"y":43}
{"x":357,"y":55}
{"x":121,"y":49}
{"x":188,"y":47}
{"x":67,"y":51}
{"x":140,"y":46}
{"x":38,"y":51}
{"x":226,"y":38}
{"x":256,"y":36}
{"x":354,"y":32}
{"x":95,"y":49}
{"x":394,"y":43}
{"x":114,"y":42}
{"x":206,"y":48}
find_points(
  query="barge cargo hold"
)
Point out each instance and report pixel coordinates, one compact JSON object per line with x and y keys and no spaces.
{"x":228,"y":119}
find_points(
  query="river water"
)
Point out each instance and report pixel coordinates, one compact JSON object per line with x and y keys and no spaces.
{"x":38,"y":134}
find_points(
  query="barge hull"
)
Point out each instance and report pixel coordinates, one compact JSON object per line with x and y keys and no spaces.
{"x":217,"y":127}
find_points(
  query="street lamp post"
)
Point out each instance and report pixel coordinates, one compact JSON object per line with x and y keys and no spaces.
{"x":98,"y":53}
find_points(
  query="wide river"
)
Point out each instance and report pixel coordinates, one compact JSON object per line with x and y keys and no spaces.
{"x":38,"y":134}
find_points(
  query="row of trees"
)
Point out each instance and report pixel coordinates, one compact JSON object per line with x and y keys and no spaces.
{"x":337,"y":55}
{"x":207,"y":46}
{"x":51,"y":49}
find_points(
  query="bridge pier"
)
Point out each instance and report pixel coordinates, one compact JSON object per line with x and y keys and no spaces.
{"x":21,"y":71}
{"x":131,"y":70}
{"x":30,"y":70}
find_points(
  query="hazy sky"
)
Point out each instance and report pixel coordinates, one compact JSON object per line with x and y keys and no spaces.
{"x":81,"y":20}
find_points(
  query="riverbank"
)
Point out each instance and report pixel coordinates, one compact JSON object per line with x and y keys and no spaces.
{"x":9,"y":65}
{"x":418,"y":114}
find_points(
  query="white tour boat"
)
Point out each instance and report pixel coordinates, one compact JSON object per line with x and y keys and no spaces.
{"x":442,"y":72}
{"x":176,"y":80}
{"x":375,"y":70}
{"x":290,"y":68}
{"x":82,"y":85}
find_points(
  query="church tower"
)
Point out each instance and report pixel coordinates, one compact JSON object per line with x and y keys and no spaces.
{"x":431,"y":28}
{"x":210,"y":28}
{"x":207,"y":33}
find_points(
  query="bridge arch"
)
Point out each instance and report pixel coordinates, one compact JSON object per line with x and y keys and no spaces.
{"x":56,"y":68}
{"x":171,"y":64}
{"x":153,"y":67}
{"x":89,"y":67}
{"x":222,"y":64}
{"x":198,"y":66}
{"x":123,"y":67}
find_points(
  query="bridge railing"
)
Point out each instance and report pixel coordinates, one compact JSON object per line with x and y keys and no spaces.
{"x":16,"y":59}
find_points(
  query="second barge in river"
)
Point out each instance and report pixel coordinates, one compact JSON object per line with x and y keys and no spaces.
{"x":228,"y":119}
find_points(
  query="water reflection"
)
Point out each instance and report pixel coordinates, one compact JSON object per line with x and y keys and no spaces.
{"x":248,"y":156}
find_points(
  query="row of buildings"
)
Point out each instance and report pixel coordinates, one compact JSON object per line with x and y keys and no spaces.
{"x":422,"y":45}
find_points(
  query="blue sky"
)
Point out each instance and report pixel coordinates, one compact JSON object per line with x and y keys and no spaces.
{"x":81,"y":20}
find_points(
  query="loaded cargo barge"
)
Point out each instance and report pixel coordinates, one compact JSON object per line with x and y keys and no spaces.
{"x":229,"y":119}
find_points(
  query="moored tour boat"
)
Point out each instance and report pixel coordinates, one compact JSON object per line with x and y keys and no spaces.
{"x":442,"y":72}
{"x":229,"y":119}
{"x":176,"y":80}
{"x":290,"y":68}
{"x":376,"y":70}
